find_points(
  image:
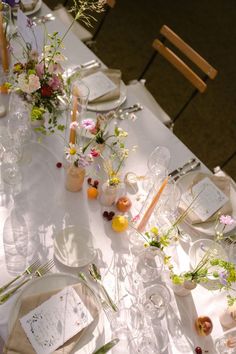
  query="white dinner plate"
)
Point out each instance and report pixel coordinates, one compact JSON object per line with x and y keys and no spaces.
{"x":50,"y":282}
{"x":110,"y":105}
{"x":73,"y":246}
{"x":207,"y":228}
{"x":36,"y":9}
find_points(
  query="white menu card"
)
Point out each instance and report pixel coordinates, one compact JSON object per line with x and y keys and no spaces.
{"x":210,"y":198}
{"x":99,"y":84}
{"x":55,"y":321}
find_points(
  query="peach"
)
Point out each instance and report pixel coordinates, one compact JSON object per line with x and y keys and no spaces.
{"x":123,"y":204}
{"x":203,"y":325}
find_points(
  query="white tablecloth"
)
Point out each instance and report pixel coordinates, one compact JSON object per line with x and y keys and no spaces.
{"x":44,"y":207}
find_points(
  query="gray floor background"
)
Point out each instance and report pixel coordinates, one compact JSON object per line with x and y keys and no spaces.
{"x":208,"y":126}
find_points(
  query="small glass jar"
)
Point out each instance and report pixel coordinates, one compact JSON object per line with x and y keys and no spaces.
{"x":110,"y":193}
{"x":74,"y":178}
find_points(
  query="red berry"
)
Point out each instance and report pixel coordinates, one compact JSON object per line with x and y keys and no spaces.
{"x":198,"y":350}
{"x":111,"y":214}
{"x":95,"y":183}
{"x":109,"y":218}
{"x":105,"y":214}
{"x":89,"y":180}
{"x":59,"y":165}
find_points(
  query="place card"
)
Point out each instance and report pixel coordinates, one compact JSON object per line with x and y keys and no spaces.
{"x":55,"y":321}
{"x":209,"y":198}
{"x":33,"y":35}
{"x":99,"y":85}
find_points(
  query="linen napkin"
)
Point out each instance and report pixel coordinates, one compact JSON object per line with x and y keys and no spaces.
{"x":114,"y":75}
{"x":223,"y":183}
{"x":18,"y":341}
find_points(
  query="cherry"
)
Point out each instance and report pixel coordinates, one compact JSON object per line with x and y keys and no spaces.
{"x":59,"y":165}
{"x":111,"y":214}
{"x":198,"y":350}
{"x":89,"y":180}
{"x":105,"y":214}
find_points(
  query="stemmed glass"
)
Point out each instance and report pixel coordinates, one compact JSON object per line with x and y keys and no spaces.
{"x":149,"y":264}
{"x":158,"y":163}
{"x":155,"y":300}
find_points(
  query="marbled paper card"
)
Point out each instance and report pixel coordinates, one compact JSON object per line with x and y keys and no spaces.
{"x":55,"y":321}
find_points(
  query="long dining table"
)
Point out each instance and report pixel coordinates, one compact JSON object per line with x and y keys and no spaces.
{"x":42,"y":207}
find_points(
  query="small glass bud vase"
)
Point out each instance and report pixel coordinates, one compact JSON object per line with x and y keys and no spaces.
{"x":110,"y":193}
{"x":185,"y":288}
{"x":74,"y":178}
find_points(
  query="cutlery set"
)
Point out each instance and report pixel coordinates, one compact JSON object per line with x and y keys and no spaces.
{"x":124,"y":113}
{"x":43,"y":19}
{"x":189,"y":166}
{"x":33,"y":271}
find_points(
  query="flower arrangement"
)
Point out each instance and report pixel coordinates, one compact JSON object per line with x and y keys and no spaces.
{"x":38,"y":78}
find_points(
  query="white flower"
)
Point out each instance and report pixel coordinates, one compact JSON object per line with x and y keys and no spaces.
{"x":72,"y":151}
{"x":28,"y":84}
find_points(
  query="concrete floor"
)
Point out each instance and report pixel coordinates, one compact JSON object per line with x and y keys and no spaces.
{"x":208,"y":126}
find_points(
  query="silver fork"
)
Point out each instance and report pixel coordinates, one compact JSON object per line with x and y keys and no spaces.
{"x":109,"y":312}
{"x":28,"y":271}
{"x":41,"y":271}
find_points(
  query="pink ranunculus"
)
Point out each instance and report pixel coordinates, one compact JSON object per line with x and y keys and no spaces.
{"x":226,"y":220}
{"x":55,"y":82}
{"x":40,"y":69}
{"x":88,"y":124}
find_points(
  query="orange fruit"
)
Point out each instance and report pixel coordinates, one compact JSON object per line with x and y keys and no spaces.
{"x":92,"y":192}
{"x":119,"y":223}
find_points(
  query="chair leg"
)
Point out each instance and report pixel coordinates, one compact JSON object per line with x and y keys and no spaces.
{"x":147,"y":65}
{"x":228,"y":159}
{"x":195,"y":92}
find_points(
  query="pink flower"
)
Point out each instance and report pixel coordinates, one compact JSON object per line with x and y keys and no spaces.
{"x":55,"y":82}
{"x":55,"y":68}
{"x":88,"y":124}
{"x":40,"y":70}
{"x":95,"y":153}
{"x":226,"y":220}
{"x":135,"y":218}
{"x":28,"y":84}
{"x":74,"y":125}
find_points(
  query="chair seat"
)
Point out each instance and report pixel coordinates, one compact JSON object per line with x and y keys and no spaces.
{"x":138,"y":89}
{"x":81,"y":32}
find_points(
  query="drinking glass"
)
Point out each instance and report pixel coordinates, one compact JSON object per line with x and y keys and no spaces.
{"x":18,"y":122}
{"x":80,"y":95}
{"x":11,"y":171}
{"x":5,"y":29}
{"x":158,"y":163}
{"x":155,"y":300}
{"x":152,"y":343}
{"x":4,"y":92}
{"x":149,"y":264}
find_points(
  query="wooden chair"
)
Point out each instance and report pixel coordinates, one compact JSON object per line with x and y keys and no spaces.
{"x":199,"y":83}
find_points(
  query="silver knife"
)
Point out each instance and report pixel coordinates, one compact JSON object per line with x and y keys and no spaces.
{"x":184,"y":171}
{"x":179,"y":169}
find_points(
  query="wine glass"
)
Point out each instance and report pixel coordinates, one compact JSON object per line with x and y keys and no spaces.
{"x":158,"y":163}
{"x":155,"y":300}
{"x":152,"y":343}
{"x":149,"y":264}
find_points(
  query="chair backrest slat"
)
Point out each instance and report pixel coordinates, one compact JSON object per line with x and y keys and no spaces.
{"x":179,"y":64}
{"x":111,"y":3}
{"x":188,"y":52}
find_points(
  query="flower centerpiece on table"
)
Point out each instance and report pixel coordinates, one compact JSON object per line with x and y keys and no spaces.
{"x":38,"y":78}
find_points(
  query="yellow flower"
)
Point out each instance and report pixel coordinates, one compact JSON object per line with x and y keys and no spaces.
{"x":146,"y":245}
{"x":72,"y":151}
{"x":154,"y":230}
